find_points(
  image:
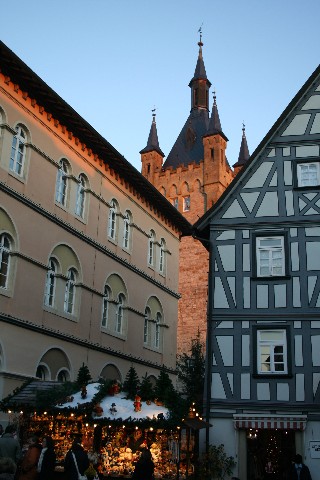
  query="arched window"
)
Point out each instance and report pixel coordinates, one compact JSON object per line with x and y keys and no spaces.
{"x":70,"y":291}
{"x":112,"y":227}
{"x":151,"y":248}
{"x":147,"y":316}
{"x":18,"y":151}
{"x":105,"y":305}
{"x":63,"y":376}
{"x":5,"y":248}
{"x":119,"y":313}
{"x":162,"y":256}
{"x":126,"y":230}
{"x":51,"y":284}
{"x":62,"y":183}
{"x":42,"y":373}
{"x":80,"y":200}
{"x":157,"y":330}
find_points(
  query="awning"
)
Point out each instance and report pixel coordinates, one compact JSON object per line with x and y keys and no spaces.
{"x":293,"y":422}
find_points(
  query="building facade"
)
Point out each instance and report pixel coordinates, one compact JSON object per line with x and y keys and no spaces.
{"x":263,"y":352}
{"x":194,"y":175}
{"x":89,"y":249}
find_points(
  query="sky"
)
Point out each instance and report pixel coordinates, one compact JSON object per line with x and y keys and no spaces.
{"x":113,"y":61}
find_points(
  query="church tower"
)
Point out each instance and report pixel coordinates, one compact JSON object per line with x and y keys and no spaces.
{"x":194,"y":175}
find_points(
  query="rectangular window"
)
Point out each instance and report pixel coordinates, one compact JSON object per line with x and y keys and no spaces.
{"x":186,"y":203}
{"x":270,"y":256}
{"x":308,"y":174}
{"x":175,"y":203}
{"x":272,"y":352}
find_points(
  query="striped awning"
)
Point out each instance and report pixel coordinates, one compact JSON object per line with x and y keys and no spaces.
{"x":294,"y":422}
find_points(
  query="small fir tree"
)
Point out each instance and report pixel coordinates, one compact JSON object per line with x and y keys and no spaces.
{"x":191,"y":371}
{"x":146,"y":389}
{"x":164,"y":389}
{"x":84,"y":376}
{"x":131,"y":384}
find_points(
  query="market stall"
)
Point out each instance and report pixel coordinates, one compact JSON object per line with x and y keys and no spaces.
{"x":114,"y":430}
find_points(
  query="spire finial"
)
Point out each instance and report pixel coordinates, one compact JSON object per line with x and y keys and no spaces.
{"x":200,"y":31}
{"x":153,"y":114}
{"x":243,"y":129}
{"x":214,"y":97}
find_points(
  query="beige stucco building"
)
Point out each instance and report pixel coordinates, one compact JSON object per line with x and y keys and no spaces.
{"x":89,"y":249}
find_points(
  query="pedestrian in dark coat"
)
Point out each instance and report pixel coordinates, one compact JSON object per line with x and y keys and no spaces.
{"x":7,"y":469}
{"x":298,"y":470}
{"x":47,"y":460}
{"x":144,"y":469}
{"x":27,"y":470}
{"x":81,"y":457}
{"x":9,"y":445}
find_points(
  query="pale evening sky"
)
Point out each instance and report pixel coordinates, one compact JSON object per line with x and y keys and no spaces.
{"x":115,"y":60}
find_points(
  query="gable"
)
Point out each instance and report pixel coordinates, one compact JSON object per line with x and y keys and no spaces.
{"x":276,"y":183}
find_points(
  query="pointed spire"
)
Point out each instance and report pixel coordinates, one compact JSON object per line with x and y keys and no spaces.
{"x":214,"y":123}
{"x":200,"y":71}
{"x":153,"y":143}
{"x":244,"y":150}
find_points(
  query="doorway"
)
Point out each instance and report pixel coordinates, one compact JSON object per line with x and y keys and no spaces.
{"x":269,"y":453}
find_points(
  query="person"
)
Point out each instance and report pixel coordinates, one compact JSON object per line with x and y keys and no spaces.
{"x":298,"y":470}
{"x":144,"y":469}
{"x":9,"y":445}
{"x":78,"y":454}
{"x":27,"y":469}
{"x":7,"y":468}
{"x":47,"y":459}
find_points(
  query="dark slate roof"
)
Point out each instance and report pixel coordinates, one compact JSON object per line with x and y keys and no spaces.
{"x":30,"y":82}
{"x":27,"y":395}
{"x":244,"y":150}
{"x":200,"y":71}
{"x":153,"y":143}
{"x":188,"y":147}
{"x":215,"y":124}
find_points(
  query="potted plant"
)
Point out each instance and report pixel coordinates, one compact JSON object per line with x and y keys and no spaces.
{"x":215,"y":464}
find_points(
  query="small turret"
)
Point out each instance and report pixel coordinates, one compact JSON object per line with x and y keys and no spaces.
{"x":152,"y":155}
{"x":243,"y":154}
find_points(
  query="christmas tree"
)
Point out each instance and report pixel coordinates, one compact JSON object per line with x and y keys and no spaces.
{"x":131,"y":384}
{"x":146,"y":389}
{"x":84,"y":376}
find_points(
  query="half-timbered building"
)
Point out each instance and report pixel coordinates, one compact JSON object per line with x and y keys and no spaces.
{"x":263,"y":350}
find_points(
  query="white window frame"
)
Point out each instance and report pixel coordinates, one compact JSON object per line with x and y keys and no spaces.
{"x":147,"y":317}
{"x":70,"y":291}
{"x":308,"y":178}
{"x":268,"y":359}
{"x":112,"y":223}
{"x":5,"y":260}
{"x":157,"y":332}
{"x":62,"y":183}
{"x":120,"y":314}
{"x":270,"y":257}
{"x":162,"y":256}
{"x":81,"y":196}
{"x":51,"y":281}
{"x":18,"y":151}
{"x":105,"y":306}
{"x":151,"y":248}
{"x":126,"y":231}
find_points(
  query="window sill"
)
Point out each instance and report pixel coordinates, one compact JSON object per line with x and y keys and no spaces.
{"x":272,"y":375}
{"x":271,"y":278}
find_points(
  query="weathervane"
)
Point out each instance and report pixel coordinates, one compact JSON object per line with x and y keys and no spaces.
{"x":200,"y":31}
{"x":154,"y":113}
